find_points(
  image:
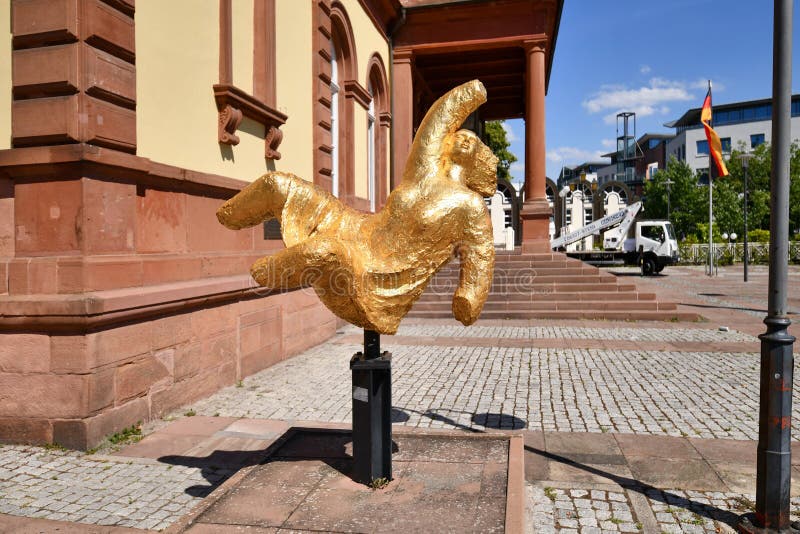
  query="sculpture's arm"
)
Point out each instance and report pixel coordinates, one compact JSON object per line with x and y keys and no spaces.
{"x":443,"y":118}
{"x":476,"y":252}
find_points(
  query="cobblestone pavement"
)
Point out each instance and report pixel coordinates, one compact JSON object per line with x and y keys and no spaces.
{"x":592,"y":511}
{"x":569,"y":332}
{"x":73,"y":486}
{"x":697,"y":394}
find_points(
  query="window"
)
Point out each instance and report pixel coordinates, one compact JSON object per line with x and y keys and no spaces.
{"x":334,"y":123}
{"x":726,"y":144}
{"x":371,"y":150}
{"x":756,"y":139}
{"x":702,"y":147}
{"x":653,"y":232}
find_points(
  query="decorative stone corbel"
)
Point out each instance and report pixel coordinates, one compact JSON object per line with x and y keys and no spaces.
{"x":271,"y":141}
{"x":229,"y":120}
{"x":232,"y":101}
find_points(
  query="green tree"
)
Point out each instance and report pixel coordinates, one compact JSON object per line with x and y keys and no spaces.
{"x":686,"y":198}
{"x":794,"y":191}
{"x":728,"y":207}
{"x":496,"y":139}
{"x":759,"y":172}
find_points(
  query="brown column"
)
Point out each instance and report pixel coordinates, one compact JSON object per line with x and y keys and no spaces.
{"x":403,"y":113}
{"x":536,"y":210}
{"x":535,"y":122}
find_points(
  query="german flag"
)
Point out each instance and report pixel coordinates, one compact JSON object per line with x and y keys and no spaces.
{"x":714,"y":145}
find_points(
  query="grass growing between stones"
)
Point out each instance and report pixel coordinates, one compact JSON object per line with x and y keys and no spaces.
{"x":126,"y":436}
{"x":379,"y":483}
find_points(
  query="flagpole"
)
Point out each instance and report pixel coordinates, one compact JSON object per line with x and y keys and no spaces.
{"x":710,"y":203}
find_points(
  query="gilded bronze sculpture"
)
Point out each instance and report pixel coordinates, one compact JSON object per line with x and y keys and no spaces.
{"x":370,"y":268}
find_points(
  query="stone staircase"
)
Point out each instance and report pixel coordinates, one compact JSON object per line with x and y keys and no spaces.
{"x":549,"y":286}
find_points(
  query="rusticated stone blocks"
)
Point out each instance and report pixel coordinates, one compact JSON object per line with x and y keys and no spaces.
{"x":74,"y":73}
{"x":74,"y":389}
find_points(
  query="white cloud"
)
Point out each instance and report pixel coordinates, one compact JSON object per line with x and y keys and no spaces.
{"x":644,"y":69}
{"x":702,"y":84}
{"x":608,"y":143}
{"x":644,"y":101}
{"x":570,"y":155}
{"x":517,"y":166}
{"x":510,"y":135}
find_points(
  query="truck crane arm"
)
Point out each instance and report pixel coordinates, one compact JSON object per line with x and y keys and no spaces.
{"x":622,"y":220}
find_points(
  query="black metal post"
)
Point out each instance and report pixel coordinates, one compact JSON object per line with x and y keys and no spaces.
{"x":773,"y":457}
{"x":372,"y":407}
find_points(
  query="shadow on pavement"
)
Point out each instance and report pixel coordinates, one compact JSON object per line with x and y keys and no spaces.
{"x":216,"y":468}
{"x":334,"y":447}
{"x":499,"y":421}
{"x":719,"y":307}
{"x":649,"y":491}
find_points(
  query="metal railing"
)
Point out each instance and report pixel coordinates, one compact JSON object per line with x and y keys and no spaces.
{"x":727,"y":253}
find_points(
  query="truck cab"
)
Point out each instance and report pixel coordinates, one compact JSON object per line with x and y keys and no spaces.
{"x":655,"y":241}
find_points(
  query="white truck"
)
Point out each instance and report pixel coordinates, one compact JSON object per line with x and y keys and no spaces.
{"x":652,"y":246}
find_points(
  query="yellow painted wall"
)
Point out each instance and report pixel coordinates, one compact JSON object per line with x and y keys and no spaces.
{"x":242,"y":40}
{"x":177,"y":63}
{"x":5,"y":74}
{"x":293,"y":88}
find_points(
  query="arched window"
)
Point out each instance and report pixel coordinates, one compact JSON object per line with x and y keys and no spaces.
{"x":334,"y":122}
{"x":380,"y":122}
{"x":371,"y":174}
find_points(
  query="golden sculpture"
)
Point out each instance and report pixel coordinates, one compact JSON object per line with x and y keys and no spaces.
{"x":370,"y":268}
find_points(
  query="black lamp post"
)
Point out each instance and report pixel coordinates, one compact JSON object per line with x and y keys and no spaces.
{"x":745,"y":159}
{"x":774,"y":453}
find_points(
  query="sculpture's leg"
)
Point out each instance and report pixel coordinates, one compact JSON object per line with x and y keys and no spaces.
{"x":477,"y":267}
{"x":297,"y":266}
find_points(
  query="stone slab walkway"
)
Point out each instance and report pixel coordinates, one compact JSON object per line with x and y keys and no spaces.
{"x":585,"y":394}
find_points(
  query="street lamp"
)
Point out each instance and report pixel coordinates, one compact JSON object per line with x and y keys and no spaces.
{"x":731,"y":237}
{"x":774,"y":452}
{"x":563,"y":194}
{"x":745,"y":159}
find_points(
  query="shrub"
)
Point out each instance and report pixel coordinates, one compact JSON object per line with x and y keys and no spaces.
{"x":758,"y":236}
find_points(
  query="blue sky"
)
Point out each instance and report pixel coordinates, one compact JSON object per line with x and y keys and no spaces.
{"x":653,"y":58}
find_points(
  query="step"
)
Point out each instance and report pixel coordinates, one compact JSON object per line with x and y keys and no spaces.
{"x":572,"y":305}
{"x":540,"y":271}
{"x":535,"y":286}
{"x":617,"y":296}
{"x":549,"y":277}
{"x":633,"y":315}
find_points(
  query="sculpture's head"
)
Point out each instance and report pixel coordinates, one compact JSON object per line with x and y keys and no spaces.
{"x":478,"y":162}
